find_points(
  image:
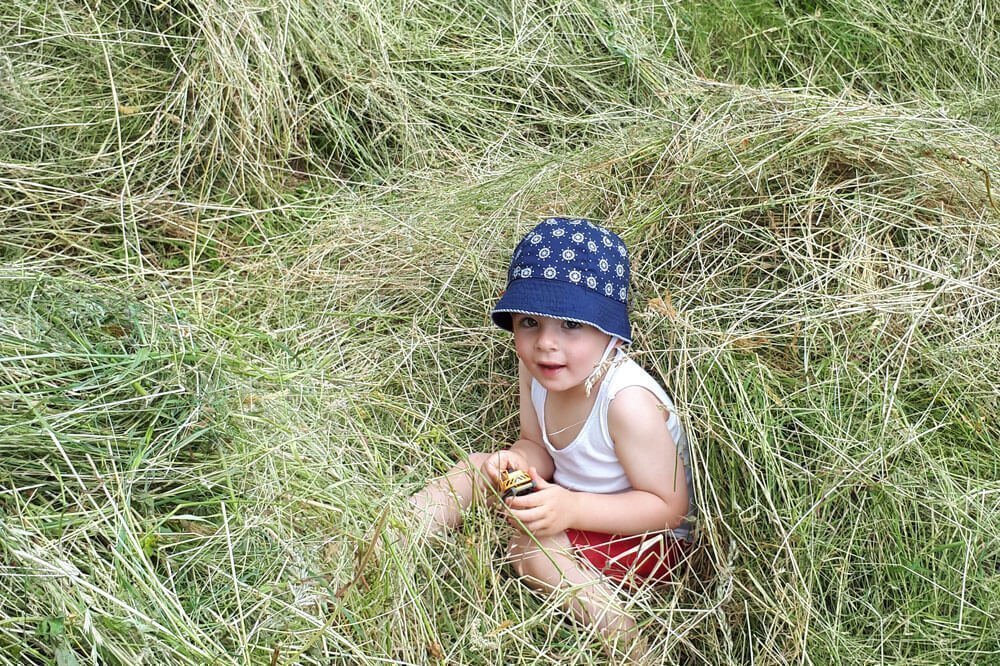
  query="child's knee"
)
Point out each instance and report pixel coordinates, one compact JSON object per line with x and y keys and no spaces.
{"x":518,"y":554}
{"x":477,"y":460}
{"x":535,"y":560}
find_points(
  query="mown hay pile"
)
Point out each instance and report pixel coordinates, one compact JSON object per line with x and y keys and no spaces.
{"x":247,"y":254}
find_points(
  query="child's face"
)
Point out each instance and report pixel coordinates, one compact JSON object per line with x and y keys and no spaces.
{"x":559,"y":354}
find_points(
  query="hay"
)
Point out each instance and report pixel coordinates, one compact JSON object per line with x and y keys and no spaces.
{"x":247,"y":254}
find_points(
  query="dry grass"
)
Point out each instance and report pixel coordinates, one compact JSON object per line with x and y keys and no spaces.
{"x":246,"y":259}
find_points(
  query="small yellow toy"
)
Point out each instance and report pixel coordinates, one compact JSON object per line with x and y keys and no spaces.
{"x":514,"y":483}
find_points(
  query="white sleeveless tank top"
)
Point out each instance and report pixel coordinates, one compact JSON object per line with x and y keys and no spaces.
{"x":589,"y":463}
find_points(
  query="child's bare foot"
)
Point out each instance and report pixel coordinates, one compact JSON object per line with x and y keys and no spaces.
{"x":630,"y":648}
{"x":410,"y":525}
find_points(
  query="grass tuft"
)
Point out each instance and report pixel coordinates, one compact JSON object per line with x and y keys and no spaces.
{"x":245,"y":263}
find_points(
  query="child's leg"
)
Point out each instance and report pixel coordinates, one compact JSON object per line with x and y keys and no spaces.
{"x":549,"y":565}
{"x":441,"y":503}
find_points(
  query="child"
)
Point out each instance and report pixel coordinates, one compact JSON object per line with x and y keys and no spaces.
{"x":599,"y":436}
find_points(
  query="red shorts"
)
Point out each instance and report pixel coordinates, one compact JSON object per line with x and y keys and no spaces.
{"x":633,"y":559}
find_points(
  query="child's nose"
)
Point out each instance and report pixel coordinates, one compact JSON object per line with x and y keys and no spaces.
{"x":546,"y":339}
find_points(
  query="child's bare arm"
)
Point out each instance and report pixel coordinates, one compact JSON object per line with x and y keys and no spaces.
{"x":530,"y":442}
{"x":647,"y":452}
{"x":528,"y":451}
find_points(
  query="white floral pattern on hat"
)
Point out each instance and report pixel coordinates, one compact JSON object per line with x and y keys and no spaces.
{"x":569,"y":268}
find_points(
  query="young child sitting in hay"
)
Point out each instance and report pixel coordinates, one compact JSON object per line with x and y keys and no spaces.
{"x":599,"y":436}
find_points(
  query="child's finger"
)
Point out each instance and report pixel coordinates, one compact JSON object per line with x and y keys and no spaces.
{"x":537,"y":478}
{"x":531,"y":509}
{"x":522,"y":519}
{"x":523,"y":502}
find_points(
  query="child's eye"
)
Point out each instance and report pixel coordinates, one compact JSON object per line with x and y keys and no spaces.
{"x":573,"y":324}
{"x":527,"y":322}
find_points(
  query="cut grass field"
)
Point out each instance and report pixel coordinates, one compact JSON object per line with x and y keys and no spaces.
{"x":246,"y":255}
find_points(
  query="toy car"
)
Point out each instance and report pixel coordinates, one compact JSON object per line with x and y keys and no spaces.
{"x":514,"y":483}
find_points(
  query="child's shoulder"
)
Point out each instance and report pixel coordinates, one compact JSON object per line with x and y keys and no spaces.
{"x":633,"y":402}
{"x":639,"y":407}
{"x":636,"y":416}
{"x":632,"y":387}
{"x":628,"y":373}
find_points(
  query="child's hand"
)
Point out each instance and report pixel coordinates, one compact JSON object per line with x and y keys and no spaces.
{"x":549,"y":510}
{"x":500,"y":462}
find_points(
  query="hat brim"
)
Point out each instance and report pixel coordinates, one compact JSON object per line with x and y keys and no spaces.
{"x":562,"y":300}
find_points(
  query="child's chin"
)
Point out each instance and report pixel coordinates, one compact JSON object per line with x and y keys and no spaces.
{"x":557,"y":384}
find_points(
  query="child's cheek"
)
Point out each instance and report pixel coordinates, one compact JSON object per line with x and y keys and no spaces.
{"x":520,"y":345}
{"x":520,"y":357}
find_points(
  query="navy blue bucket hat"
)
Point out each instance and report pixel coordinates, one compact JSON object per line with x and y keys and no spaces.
{"x":572,"y":269}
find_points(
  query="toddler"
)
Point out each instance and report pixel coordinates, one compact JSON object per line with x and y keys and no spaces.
{"x":598,"y":435}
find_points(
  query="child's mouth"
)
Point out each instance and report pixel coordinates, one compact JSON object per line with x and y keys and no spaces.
{"x":549,"y":369}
